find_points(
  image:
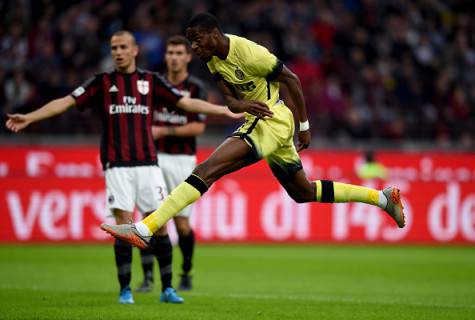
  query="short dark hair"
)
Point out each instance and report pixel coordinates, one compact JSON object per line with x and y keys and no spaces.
{"x":179,"y":40}
{"x":204,"y":21}
{"x":123,"y":33}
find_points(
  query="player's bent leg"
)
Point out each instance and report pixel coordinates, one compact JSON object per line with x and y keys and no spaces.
{"x":123,"y":259}
{"x":298,"y":187}
{"x":388,"y":199}
{"x":302,"y":190}
{"x":287,"y":168}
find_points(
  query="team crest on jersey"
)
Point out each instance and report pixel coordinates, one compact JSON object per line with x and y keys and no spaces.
{"x":143,"y":86}
{"x":239,"y":74}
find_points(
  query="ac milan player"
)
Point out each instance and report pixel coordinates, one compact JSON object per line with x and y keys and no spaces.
{"x":175,"y":134}
{"x":123,"y":100}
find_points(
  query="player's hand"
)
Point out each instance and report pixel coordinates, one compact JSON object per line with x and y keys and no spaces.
{"x":256,"y":108}
{"x":17,"y":122}
{"x":304,"y":140}
{"x":236,"y":116}
{"x":158,"y":132}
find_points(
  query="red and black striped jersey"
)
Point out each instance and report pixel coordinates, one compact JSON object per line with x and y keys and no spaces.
{"x":166,"y":116}
{"x":125,"y":104}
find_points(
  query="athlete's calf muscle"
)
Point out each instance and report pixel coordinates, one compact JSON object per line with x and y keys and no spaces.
{"x":299,"y":188}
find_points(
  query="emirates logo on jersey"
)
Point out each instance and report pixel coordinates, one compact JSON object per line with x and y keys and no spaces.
{"x":143,"y":86}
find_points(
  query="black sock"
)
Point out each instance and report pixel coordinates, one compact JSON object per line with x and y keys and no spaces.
{"x":147,"y":264}
{"x":187,"y":244}
{"x":123,"y":261}
{"x":163,"y":252}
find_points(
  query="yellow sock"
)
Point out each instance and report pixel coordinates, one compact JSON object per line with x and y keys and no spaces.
{"x":183,"y":195}
{"x":329,"y":191}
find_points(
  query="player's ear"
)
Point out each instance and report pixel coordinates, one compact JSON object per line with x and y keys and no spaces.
{"x":135,"y":50}
{"x":216,"y":33}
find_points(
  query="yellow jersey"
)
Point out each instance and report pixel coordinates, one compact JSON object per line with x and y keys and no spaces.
{"x":250,"y":69}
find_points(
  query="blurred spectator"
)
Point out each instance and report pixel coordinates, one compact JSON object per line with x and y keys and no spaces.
{"x":18,"y":92}
{"x":371,"y":168}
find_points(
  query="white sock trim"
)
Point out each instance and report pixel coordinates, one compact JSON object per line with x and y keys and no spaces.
{"x":382,"y":201}
{"x":143,"y":229}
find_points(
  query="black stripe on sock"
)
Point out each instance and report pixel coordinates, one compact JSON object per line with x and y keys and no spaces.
{"x":197,"y":183}
{"x":328,"y":195}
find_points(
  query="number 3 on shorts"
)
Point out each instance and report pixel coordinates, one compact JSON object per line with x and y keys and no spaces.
{"x":160,"y":192}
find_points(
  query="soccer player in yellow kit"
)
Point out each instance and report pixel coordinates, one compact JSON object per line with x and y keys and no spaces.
{"x":249,"y":77}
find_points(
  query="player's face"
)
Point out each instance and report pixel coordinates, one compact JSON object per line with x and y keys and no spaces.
{"x":123,"y":50}
{"x":203,"y":43}
{"x":177,"y":58}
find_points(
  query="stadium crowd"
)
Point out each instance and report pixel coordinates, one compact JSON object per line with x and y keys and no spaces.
{"x":371,"y":70}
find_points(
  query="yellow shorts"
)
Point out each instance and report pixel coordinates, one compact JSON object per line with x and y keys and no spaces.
{"x":272,"y":139}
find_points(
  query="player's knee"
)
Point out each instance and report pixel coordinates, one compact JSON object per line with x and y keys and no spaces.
{"x":162,"y":231}
{"x":183,"y":227}
{"x":301,"y":197}
{"x":184,"y":231}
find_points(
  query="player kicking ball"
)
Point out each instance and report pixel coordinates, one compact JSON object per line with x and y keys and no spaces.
{"x":249,"y":77}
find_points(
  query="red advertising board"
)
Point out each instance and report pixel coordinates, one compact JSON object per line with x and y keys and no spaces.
{"x":57,"y":194}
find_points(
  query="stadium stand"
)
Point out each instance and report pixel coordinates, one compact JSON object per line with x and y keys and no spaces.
{"x":371,"y":70}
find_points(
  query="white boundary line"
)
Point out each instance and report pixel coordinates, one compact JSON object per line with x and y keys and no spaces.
{"x":327,"y":298}
{"x":309,"y":298}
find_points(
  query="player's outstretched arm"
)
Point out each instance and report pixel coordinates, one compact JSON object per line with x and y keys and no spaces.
{"x":17,"y":121}
{"x":256,"y":108}
{"x":201,"y":106}
{"x":191,"y":129}
{"x":292,"y":83}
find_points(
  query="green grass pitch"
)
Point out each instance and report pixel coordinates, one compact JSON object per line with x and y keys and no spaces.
{"x":246,"y":282}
